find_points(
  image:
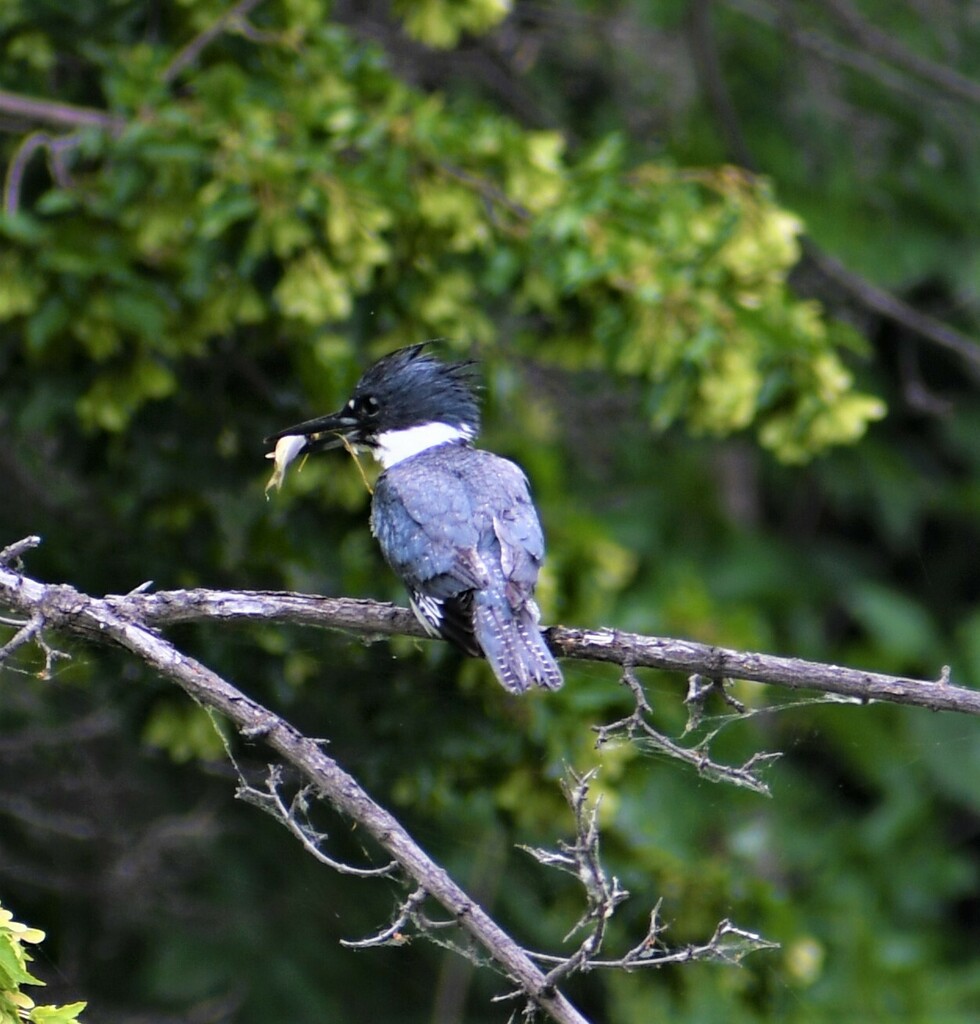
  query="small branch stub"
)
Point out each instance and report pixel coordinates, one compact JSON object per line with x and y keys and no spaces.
{"x":13,"y":552}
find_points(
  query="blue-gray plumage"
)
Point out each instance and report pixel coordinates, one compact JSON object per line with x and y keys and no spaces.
{"x":458,"y":526}
{"x":456,"y":523}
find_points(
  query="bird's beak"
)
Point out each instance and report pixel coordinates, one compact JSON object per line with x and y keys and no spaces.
{"x":321,"y":434}
{"x":317,"y":435}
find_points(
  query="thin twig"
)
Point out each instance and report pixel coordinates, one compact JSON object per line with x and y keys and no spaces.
{"x":882,"y":44}
{"x":729,"y":944}
{"x":20,"y":547}
{"x":895,"y":309}
{"x":829,"y":50}
{"x":18,"y":166}
{"x":637,"y":728}
{"x":189,"y":53}
{"x":490,"y":193}
{"x":57,"y":147}
{"x":699,"y":689}
{"x":23,"y":636}
{"x":32,"y":631}
{"x":394,"y":934}
{"x":289,"y":817}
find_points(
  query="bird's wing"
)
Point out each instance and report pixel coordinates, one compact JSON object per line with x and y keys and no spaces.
{"x":518,"y":532}
{"x":429,"y":531}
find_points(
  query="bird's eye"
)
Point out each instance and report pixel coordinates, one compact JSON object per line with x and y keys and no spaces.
{"x":364,"y":406}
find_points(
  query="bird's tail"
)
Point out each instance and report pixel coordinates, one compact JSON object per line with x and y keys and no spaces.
{"x":514,"y":646}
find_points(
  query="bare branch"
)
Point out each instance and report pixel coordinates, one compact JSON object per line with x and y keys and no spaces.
{"x":170,"y":607}
{"x":128,"y":621}
{"x":895,"y":309}
{"x":376,"y":619}
{"x":582,"y":860}
{"x":794,"y":673}
{"x":729,"y":943}
{"x":59,"y":115}
{"x":56,"y":145}
{"x":18,"y":166}
{"x":706,"y":61}
{"x":67,"y":609}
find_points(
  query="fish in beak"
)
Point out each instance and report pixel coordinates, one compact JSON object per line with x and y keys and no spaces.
{"x":337,"y":430}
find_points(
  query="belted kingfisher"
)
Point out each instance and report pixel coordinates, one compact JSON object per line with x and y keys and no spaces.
{"x":456,"y":523}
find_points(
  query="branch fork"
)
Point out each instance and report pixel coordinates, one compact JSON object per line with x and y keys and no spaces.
{"x":132,"y":622}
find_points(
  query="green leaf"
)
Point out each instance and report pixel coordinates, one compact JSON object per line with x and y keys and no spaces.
{"x":56,"y":1014}
{"x":20,"y":288}
{"x":439,"y":23}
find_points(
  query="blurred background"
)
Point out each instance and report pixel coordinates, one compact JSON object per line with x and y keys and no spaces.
{"x":719,"y":263}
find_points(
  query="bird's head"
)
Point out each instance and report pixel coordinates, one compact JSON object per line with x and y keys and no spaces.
{"x":407,"y":402}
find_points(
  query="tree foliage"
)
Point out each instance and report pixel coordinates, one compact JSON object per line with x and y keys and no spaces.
{"x":269,"y":202}
{"x":15,"y":1005}
{"x":296,"y":186}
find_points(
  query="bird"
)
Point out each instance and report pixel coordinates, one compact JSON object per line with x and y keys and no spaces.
{"x":455,"y":522}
